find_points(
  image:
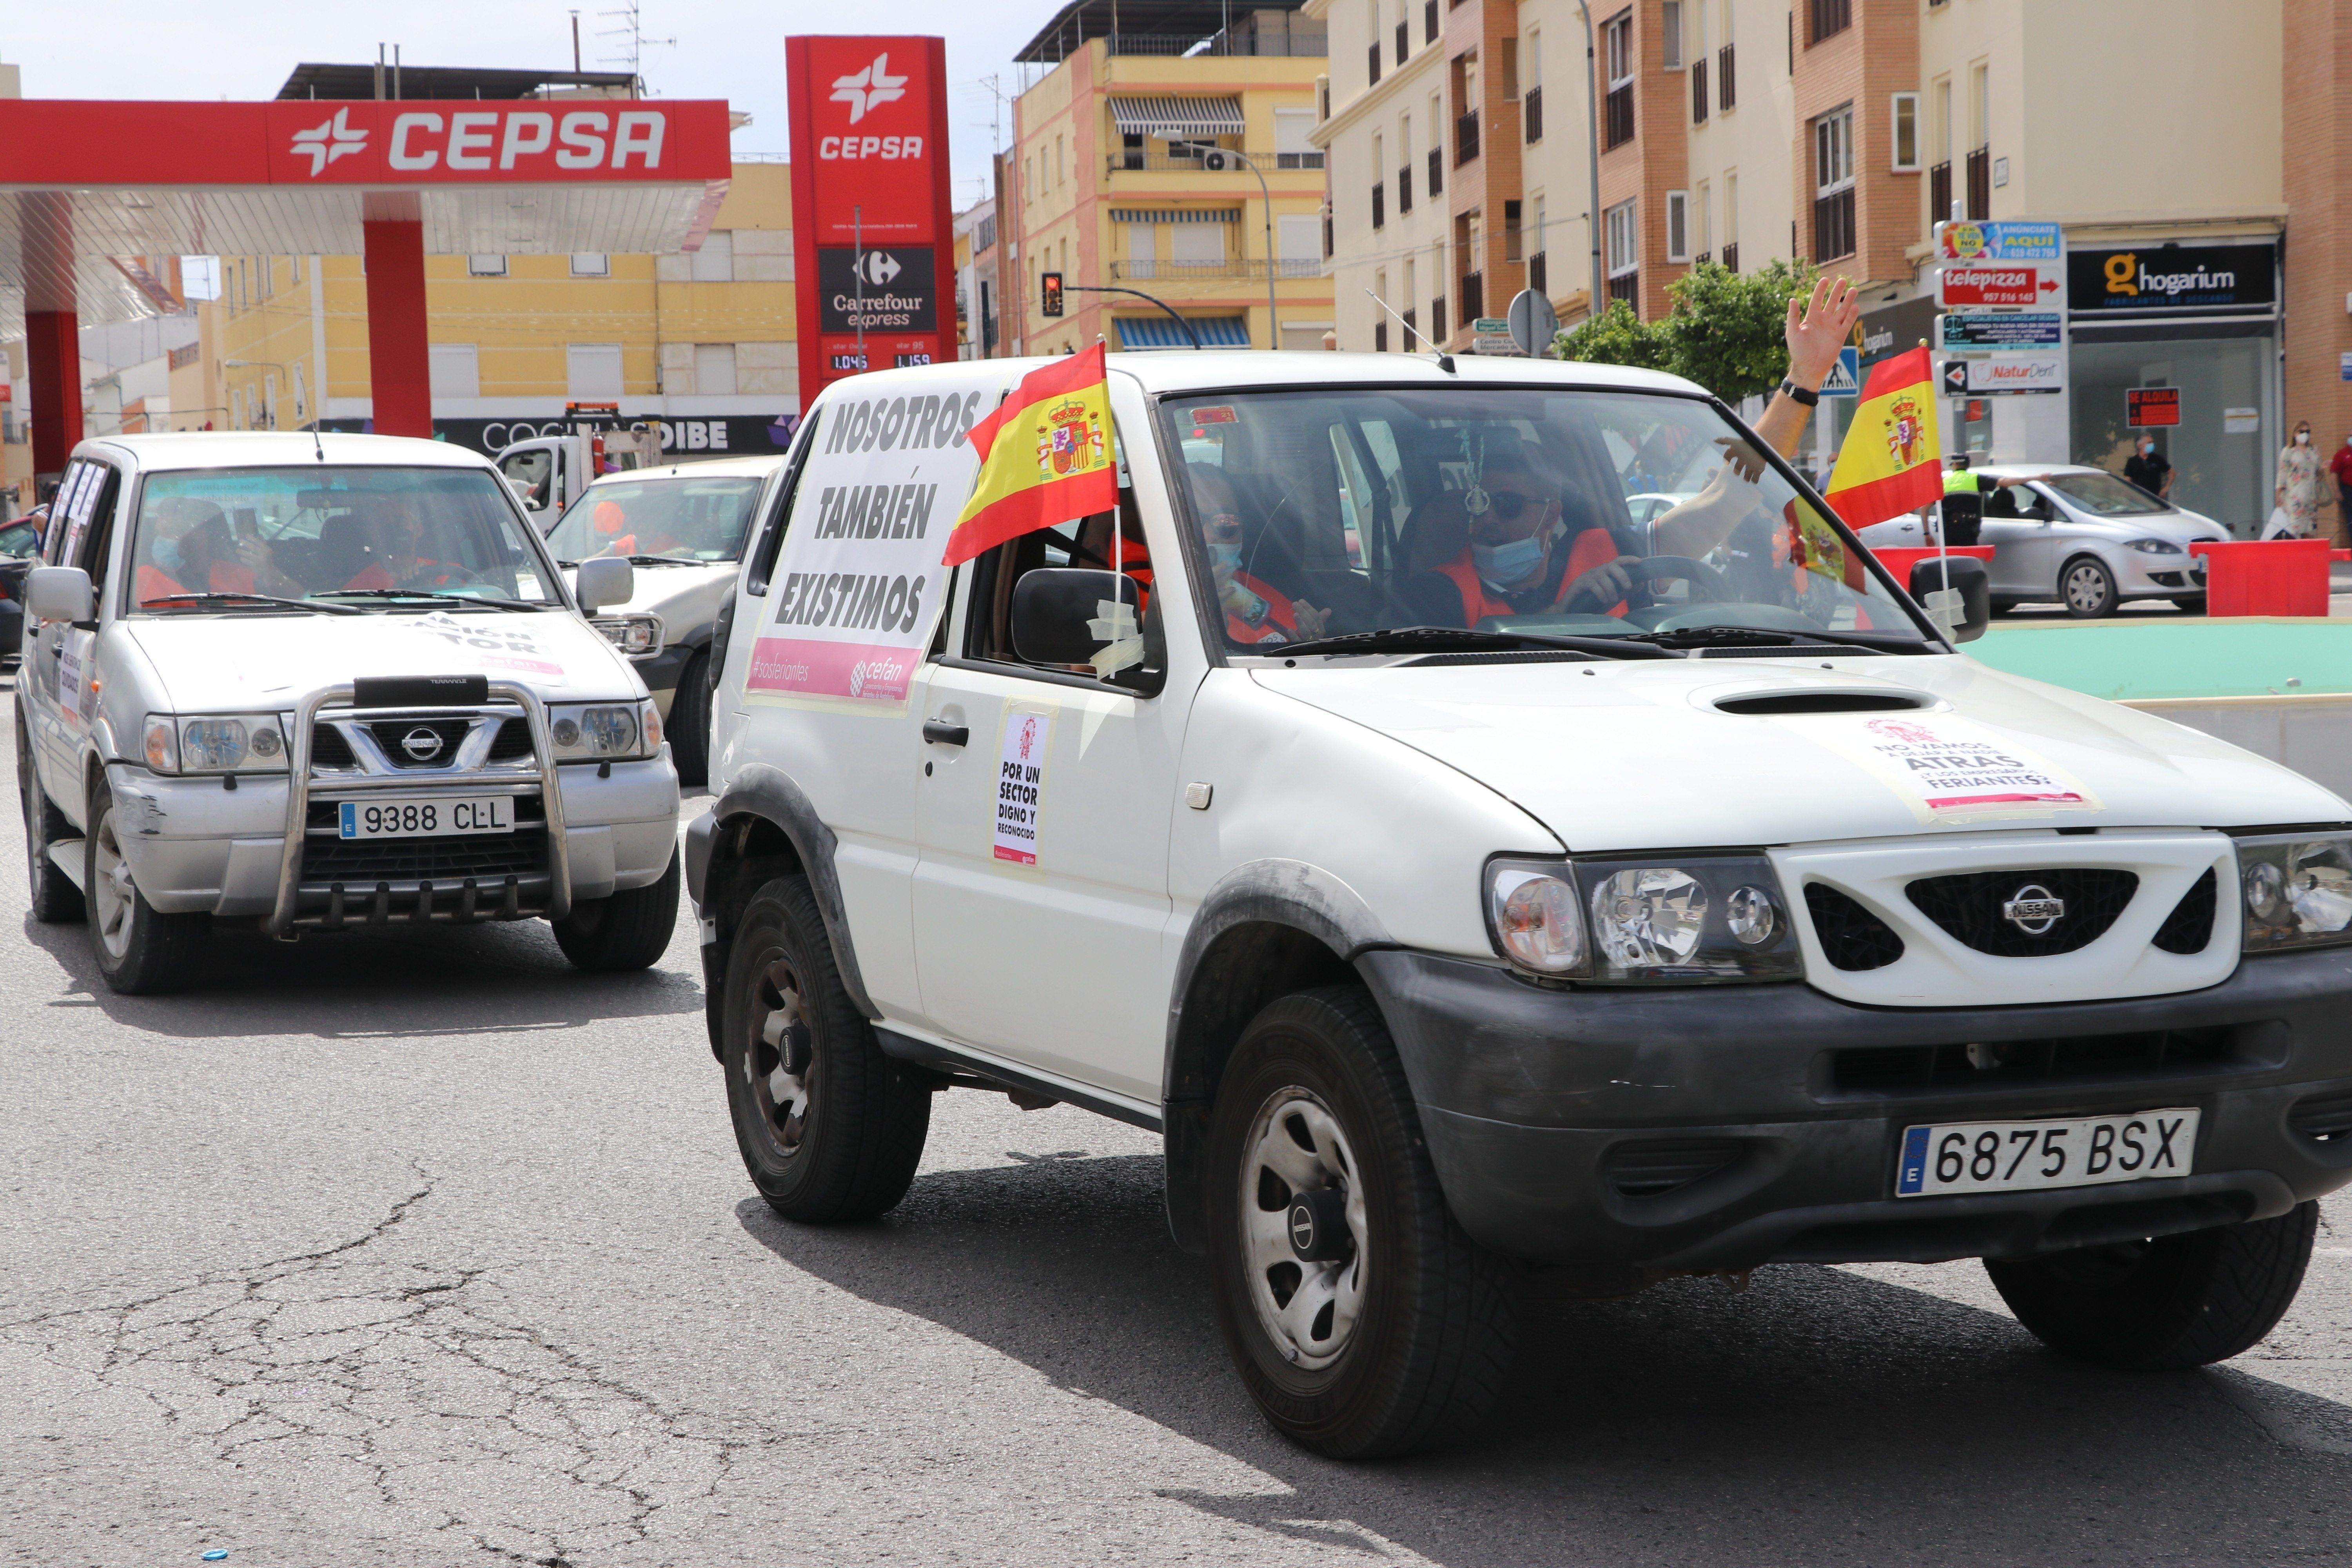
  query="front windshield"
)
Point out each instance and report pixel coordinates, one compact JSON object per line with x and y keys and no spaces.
{"x":332,"y":534}
{"x":2106,"y":495}
{"x":1517,"y":509}
{"x":678,"y":519}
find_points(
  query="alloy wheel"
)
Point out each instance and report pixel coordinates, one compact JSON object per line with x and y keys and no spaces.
{"x":1309,"y":1291}
{"x":780,"y":1064}
{"x":2086,"y":587}
{"x":112,"y":897}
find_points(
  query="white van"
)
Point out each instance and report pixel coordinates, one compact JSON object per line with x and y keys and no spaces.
{"x":1462,"y":875}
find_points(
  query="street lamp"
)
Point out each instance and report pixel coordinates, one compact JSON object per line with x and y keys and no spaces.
{"x":1593,"y":156}
{"x":1215,"y":159}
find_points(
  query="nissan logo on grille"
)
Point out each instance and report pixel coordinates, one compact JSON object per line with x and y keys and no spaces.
{"x":422,"y":743}
{"x":2033,"y":908}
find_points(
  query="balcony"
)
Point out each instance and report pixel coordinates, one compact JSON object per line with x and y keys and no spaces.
{"x":1404,"y":190}
{"x":1429,"y":22}
{"x":1828,"y":18}
{"x":1473,"y":296}
{"x":1379,"y":209}
{"x":1298,"y":42}
{"x":1626,"y":286}
{"x":1215,"y":271}
{"x":1726,"y":90}
{"x":1940,"y":192}
{"x":1532,"y":110}
{"x":1538,"y":273}
{"x":1833,"y":225}
{"x":1372,"y":72}
{"x":1619,"y":116}
{"x":1381,"y":335}
{"x":1404,"y":41}
{"x":1153,"y":158}
{"x":1298,"y":160}
{"x":1699,"y":104}
{"x":1731,"y":256}
{"x":1437,"y":319}
{"x":1465,"y":138}
{"x":1411,"y":331}
{"x":1437,"y":171}
{"x":1981,"y":185}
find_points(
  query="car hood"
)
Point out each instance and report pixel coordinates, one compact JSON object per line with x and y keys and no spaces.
{"x":1638,"y":755}
{"x":232,"y":661}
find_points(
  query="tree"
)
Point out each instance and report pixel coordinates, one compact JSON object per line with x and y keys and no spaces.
{"x":1617,"y":336}
{"x":1725,"y":331}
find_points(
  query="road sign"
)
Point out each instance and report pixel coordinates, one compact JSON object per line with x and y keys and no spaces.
{"x":2010,"y":329}
{"x":1955,"y":376}
{"x":1533,"y":323}
{"x":2145,"y":406}
{"x":1845,"y":379}
{"x":1492,"y":335}
{"x":2003,"y":241}
{"x":1997,"y":285}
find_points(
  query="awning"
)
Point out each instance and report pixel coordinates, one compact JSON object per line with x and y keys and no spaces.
{"x":1177,"y":116}
{"x":1176,"y":215}
{"x":1160,"y":333}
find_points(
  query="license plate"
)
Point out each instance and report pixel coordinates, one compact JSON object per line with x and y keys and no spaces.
{"x":434,"y":817}
{"x":2023,"y":1156}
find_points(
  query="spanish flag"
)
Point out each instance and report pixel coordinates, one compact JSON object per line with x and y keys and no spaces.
{"x":1891,"y":462}
{"x":1046,"y":457}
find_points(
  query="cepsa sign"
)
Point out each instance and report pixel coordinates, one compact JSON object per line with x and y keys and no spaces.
{"x":870,"y":203}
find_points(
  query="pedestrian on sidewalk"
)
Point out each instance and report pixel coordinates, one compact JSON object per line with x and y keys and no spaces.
{"x":2299,"y":492}
{"x":2149,"y":469}
{"x":2340,"y":464}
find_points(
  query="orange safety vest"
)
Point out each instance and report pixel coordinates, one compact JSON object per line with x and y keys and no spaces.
{"x":1593,"y":547}
{"x":152,"y":583}
{"x":1281,"y":620}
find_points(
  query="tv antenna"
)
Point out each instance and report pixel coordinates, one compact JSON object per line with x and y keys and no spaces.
{"x":634,"y":43}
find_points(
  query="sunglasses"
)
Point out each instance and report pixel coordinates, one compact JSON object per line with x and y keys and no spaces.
{"x":1508,"y":505}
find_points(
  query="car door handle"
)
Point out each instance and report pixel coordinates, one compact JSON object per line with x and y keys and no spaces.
{"x":940,"y":733}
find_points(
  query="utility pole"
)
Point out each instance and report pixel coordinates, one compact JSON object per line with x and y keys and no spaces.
{"x":575,"y":43}
{"x":1593,"y":156}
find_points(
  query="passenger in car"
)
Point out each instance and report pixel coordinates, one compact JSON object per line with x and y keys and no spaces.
{"x":190,"y":550}
{"x":399,"y":558}
{"x":1256,"y":610}
{"x":1507,"y":546}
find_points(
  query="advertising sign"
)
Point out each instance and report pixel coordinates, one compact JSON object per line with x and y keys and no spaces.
{"x":854,"y":595}
{"x":1995,"y":285}
{"x":1998,"y":374}
{"x":871,"y":230}
{"x":2172,"y":278}
{"x":2148,"y":406}
{"x":1998,"y":241}
{"x":2015,"y":330}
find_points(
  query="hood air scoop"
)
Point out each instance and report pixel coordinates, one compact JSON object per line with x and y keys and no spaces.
{"x":1765,"y":703}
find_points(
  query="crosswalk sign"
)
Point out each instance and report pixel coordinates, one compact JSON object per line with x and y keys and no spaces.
{"x":1845,"y":378}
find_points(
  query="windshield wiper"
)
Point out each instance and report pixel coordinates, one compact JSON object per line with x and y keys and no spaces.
{"x":202,"y":599}
{"x":642,"y":561}
{"x":1773,"y":637}
{"x":1410,"y":637}
{"x":492,"y":601}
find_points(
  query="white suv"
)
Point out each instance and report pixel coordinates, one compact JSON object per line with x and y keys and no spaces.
{"x":1461,"y":874}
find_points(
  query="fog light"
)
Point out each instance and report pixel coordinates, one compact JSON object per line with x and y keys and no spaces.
{"x":1751,"y":915}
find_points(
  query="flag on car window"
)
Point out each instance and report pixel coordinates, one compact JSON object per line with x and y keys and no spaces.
{"x":1046,"y":457}
{"x":1891,"y":462}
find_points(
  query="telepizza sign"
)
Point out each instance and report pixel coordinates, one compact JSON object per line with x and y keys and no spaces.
{"x":871,"y":226}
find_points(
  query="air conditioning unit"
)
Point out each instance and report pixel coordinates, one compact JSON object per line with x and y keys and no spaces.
{"x":1216,"y":160}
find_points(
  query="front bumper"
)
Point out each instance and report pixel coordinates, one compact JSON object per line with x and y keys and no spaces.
{"x":2144,"y":576}
{"x":1557,"y":1119}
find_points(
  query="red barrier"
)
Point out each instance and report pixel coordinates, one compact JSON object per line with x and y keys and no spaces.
{"x":2269,"y":577}
{"x":1899,"y":560}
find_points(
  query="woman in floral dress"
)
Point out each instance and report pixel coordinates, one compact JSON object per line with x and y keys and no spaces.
{"x":2302,"y":483}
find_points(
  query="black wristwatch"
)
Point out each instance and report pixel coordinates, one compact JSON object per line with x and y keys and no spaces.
{"x":1809,"y":399}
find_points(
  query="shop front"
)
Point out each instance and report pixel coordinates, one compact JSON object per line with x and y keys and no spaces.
{"x":2202,"y":319}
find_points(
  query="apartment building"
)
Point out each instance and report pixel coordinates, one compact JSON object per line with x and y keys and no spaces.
{"x":1162,"y":168}
{"x":976,"y":296}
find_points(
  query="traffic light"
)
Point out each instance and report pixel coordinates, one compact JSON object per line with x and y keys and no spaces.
{"x":1049,"y":291}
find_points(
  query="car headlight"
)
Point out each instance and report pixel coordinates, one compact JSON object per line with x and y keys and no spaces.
{"x":2156,"y":547}
{"x":1702,"y":918}
{"x":638,"y":636}
{"x":214,"y":743}
{"x":605,"y":731}
{"x":2298,"y":890}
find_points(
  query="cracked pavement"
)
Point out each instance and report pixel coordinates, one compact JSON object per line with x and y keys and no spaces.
{"x":422,"y":1249}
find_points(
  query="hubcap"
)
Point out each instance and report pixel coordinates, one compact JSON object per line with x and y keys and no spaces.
{"x":1307,"y":1306}
{"x":2086,"y":587}
{"x":111,"y":894}
{"x":781,"y":1061}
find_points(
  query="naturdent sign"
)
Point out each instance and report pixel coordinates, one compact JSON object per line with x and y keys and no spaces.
{"x":871,"y":227}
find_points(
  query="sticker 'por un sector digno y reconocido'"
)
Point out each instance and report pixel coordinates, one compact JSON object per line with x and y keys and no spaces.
{"x":1021,"y":781}
{"x":857,"y":586}
{"x":1947,"y":768}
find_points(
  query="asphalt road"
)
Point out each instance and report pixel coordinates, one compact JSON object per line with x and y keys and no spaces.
{"x":424,"y":1249}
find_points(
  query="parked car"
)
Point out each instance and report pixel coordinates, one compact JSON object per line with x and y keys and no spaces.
{"x":324,"y":681}
{"x":2082,"y":537}
{"x":1738,"y":921}
{"x":683,"y":527}
{"x":20,"y":548}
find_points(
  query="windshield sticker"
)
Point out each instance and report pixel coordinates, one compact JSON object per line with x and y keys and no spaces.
{"x":1215,"y":414}
{"x":857,"y":586}
{"x":1021,"y":782}
{"x":70,"y":650}
{"x":494,"y":646}
{"x":1948,"y":769}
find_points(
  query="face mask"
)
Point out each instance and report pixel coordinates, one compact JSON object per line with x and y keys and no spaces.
{"x":2302,"y":437}
{"x":2148,"y":448}
{"x":1225,"y":557}
{"x":165,"y":553}
{"x":1505,"y":564}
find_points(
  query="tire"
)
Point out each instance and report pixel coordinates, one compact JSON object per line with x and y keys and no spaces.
{"x":1434,"y":1316}
{"x":2087,"y":588}
{"x":141,"y":952}
{"x":2191,"y":604}
{"x":2164,"y":1305}
{"x":839,"y":1139}
{"x":626,"y":930}
{"x":54,"y":900}
{"x":689,"y":721}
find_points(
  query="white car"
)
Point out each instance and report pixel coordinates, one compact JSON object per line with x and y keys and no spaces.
{"x":1513,"y":913}
{"x":321,"y":682}
{"x":2081,"y":537}
{"x":682,"y":526}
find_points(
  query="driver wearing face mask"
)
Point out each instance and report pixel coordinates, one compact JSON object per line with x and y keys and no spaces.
{"x":1522,"y":556}
{"x":188,"y":553}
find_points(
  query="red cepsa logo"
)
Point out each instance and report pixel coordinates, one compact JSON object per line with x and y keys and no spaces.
{"x":372,"y":141}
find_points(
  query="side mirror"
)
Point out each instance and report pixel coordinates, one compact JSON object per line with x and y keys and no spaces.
{"x":606,"y":580}
{"x":60,"y":594}
{"x":1961,"y":601}
{"x":1053,"y":610}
